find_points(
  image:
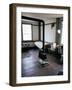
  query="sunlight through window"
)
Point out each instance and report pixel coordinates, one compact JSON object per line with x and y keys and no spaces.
{"x":27,"y":34}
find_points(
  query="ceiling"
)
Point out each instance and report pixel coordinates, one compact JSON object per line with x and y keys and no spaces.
{"x":42,"y":15}
{"x":45,"y":17}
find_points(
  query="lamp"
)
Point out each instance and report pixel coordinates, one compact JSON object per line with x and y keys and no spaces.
{"x":59,"y":31}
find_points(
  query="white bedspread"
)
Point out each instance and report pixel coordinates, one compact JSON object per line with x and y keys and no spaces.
{"x":39,"y":44}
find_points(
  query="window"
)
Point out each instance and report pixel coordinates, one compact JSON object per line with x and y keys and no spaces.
{"x":27,"y":33}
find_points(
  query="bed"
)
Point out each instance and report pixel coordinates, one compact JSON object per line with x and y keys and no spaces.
{"x":39,"y":44}
{"x":48,"y":46}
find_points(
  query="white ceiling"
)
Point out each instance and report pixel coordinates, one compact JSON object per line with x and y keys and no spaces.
{"x":46,"y":17}
{"x":29,"y":22}
{"x":42,"y":15}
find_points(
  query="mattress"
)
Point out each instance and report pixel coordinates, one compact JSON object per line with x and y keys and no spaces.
{"x":39,"y":44}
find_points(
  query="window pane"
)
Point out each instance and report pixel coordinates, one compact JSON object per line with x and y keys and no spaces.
{"x":27,"y":34}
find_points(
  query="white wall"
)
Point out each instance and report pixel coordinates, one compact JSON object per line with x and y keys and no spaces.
{"x":50,"y":33}
{"x":4,"y":45}
{"x":42,"y":33}
{"x":35,"y":32}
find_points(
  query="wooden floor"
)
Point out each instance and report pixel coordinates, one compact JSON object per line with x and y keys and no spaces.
{"x":32,"y":67}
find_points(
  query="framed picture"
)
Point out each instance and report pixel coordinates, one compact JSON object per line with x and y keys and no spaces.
{"x":39,"y":44}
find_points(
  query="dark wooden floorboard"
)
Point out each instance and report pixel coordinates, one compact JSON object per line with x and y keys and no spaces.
{"x":32,"y":67}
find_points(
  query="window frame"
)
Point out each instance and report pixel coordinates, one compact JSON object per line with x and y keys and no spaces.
{"x":31,"y":33}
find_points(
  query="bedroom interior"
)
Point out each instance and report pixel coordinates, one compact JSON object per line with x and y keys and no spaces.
{"x":42,"y":44}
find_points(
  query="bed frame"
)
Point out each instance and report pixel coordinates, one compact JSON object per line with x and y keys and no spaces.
{"x":40,"y":21}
